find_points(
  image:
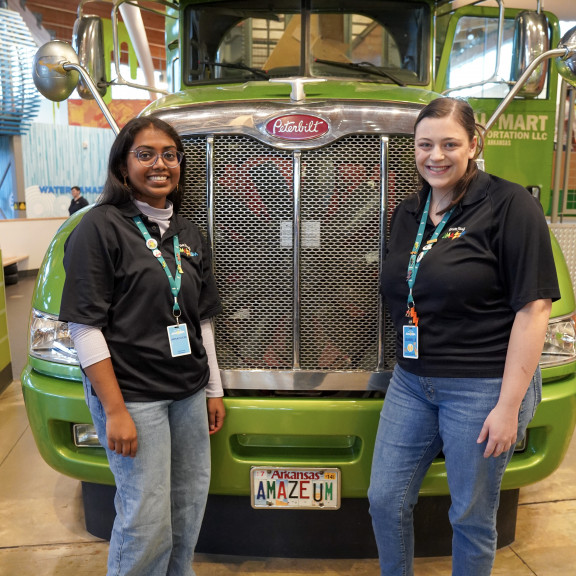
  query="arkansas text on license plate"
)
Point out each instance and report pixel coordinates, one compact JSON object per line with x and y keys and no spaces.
{"x":317,"y":488}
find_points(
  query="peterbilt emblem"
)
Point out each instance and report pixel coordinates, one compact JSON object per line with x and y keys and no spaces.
{"x":297,"y":127}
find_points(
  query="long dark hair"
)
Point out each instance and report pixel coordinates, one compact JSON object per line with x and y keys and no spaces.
{"x":116,"y":189}
{"x":462,"y":112}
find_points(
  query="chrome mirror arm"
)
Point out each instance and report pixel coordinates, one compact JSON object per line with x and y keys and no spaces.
{"x":95,"y":92}
{"x":558,"y":52}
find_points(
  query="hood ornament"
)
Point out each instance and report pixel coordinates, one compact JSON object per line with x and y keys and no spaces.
{"x":297,"y":82}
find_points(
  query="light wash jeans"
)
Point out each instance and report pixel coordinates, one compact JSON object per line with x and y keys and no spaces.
{"x":421,"y":417}
{"x":161,"y":493}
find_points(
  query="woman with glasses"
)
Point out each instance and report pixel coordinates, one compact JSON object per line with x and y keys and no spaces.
{"x":139,"y":295}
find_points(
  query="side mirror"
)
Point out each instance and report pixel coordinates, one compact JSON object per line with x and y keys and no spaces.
{"x":530,"y":41}
{"x":48,"y":73}
{"x":88,"y":41}
{"x":567,"y":64}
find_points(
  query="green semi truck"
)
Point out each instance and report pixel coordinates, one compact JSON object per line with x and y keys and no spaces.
{"x":297,"y":119}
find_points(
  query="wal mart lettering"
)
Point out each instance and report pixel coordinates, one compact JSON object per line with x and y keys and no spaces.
{"x":516,"y":127}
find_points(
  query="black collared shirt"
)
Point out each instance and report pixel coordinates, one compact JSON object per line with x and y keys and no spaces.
{"x":493,"y":257}
{"x":113,"y":281}
{"x":77,"y":204}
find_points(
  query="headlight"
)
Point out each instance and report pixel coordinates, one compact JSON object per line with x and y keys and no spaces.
{"x":50,"y":339}
{"x":560,"y":343}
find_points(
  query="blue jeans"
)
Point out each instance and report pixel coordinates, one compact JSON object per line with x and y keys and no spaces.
{"x":161,"y":493}
{"x":421,"y":417}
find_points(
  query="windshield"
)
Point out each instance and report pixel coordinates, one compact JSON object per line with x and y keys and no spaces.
{"x":372,"y":40}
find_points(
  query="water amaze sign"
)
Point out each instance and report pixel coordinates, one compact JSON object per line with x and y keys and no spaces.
{"x":297,"y":127}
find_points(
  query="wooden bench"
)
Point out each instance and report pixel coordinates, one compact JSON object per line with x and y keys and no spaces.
{"x":9,"y":260}
{"x":10,"y":264}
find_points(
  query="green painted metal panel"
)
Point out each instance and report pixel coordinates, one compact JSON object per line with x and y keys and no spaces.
{"x":566,"y":304}
{"x":53,"y":405}
{"x":5,"y":357}
{"x":288,"y":432}
{"x":259,"y":91}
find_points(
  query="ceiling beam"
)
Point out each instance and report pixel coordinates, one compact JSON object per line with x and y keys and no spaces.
{"x":59,"y":16}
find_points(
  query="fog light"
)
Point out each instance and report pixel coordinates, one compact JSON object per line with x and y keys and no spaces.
{"x":85,"y":436}
{"x":521,"y":446}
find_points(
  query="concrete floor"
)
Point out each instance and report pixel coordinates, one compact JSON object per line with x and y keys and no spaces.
{"x":42,"y":529}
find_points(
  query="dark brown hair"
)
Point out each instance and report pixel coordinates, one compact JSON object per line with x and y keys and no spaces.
{"x":462,"y":112}
{"x":115,"y":190}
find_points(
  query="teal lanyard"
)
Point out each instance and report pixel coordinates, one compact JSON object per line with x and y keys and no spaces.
{"x":152,"y":245}
{"x":416,"y":258}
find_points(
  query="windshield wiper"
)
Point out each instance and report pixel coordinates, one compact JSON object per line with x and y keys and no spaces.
{"x":240,"y":66}
{"x":366,"y":67}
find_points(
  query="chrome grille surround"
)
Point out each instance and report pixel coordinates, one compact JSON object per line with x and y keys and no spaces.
{"x":301,"y":302}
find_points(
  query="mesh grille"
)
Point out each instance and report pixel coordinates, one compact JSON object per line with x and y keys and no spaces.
{"x":252,"y":197}
{"x":194,"y":204}
{"x":401,"y":182}
{"x":339,"y":250}
{"x":340,"y":255}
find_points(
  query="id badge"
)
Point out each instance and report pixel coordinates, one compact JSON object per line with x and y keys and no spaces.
{"x":410,"y":341}
{"x":178,"y":338}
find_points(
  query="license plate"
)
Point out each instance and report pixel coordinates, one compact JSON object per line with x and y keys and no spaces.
{"x":300,"y":488}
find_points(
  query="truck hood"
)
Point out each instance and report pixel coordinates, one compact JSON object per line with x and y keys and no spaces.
{"x":314,"y":91}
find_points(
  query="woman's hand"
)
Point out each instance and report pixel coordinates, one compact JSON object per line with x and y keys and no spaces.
{"x":500,"y":429}
{"x":120,"y":428}
{"x":216,"y":414}
{"x":524,"y":350}
{"x":121,"y":433}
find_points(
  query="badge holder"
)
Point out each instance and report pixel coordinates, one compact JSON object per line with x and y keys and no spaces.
{"x":179,"y":341}
{"x":410,"y":335}
{"x":178,"y":335}
{"x":410,"y":341}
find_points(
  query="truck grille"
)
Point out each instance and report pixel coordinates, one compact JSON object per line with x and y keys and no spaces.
{"x":321,"y":313}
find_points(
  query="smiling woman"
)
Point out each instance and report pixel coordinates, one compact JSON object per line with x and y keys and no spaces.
{"x":153,"y":167}
{"x":139,"y":295}
{"x":460,"y":248}
{"x":443,"y":151}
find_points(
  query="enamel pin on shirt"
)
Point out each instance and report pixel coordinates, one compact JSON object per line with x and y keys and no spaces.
{"x":410,"y":331}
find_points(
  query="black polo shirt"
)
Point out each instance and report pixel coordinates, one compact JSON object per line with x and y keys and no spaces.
{"x":77,"y":204}
{"x":113,"y":281}
{"x":493,"y":257}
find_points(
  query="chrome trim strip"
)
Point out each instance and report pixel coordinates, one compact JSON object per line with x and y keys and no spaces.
{"x":210,"y":189}
{"x":303,"y":380}
{"x":297,"y":163}
{"x":383,"y":210}
{"x":250,"y":119}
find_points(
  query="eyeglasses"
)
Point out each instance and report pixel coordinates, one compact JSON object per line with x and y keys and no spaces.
{"x":147,"y":158}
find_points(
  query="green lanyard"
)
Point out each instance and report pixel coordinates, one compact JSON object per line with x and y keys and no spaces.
{"x":152,"y":245}
{"x":416,"y":259}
